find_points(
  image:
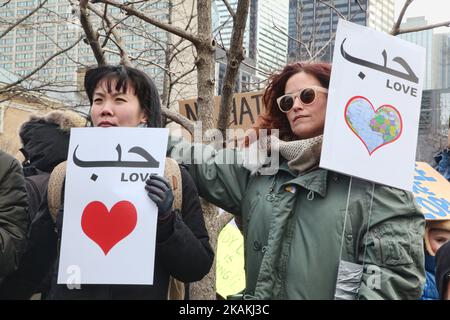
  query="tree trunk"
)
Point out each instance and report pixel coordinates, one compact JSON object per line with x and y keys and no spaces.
{"x":205,"y":65}
{"x":235,"y":55}
{"x":165,"y":96}
{"x":206,"y":288}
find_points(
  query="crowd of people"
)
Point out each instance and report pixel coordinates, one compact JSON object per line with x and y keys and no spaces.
{"x":309,"y":233}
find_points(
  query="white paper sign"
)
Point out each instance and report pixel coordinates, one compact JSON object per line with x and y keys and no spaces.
{"x":109,"y":226}
{"x":373,"y":106}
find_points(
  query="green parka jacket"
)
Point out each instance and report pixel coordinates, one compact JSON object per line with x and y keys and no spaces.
{"x":13,"y":214}
{"x":294,"y":227}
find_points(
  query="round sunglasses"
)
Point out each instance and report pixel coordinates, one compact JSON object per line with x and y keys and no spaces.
{"x":306,"y":95}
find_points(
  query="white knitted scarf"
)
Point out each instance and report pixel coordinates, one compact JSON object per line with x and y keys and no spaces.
{"x":302,"y":155}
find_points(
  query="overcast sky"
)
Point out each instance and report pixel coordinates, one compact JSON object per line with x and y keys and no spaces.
{"x":434,"y":11}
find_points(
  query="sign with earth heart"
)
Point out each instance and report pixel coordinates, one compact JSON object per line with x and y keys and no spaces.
{"x":373,"y":106}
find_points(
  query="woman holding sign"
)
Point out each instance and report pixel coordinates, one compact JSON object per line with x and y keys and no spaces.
{"x":122,"y":96}
{"x":309,"y":233}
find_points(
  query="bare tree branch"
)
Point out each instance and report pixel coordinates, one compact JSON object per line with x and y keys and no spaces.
{"x":5,"y":4}
{"x":360,"y":6}
{"x":333,"y":8}
{"x":322,"y":49}
{"x":118,"y":39}
{"x":184,"y":74}
{"x":294,"y":39}
{"x":15,"y":24}
{"x":131,"y":58}
{"x":169,"y":28}
{"x":91,"y":35}
{"x":396,"y":27}
{"x":256,"y":69}
{"x":234,"y":58}
{"x":431,"y":26}
{"x":230,"y":9}
{"x":180,"y":119}
{"x":40,"y":67}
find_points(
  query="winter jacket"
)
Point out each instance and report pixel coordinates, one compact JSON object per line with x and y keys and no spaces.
{"x":443,"y":163}
{"x":294,"y":226}
{"x":45,"y":139}
{"x":430,"y":291}
{"x":182,"y":251}
{"x":443,"y":268}
{"x":45,"y":144}
{"x":13,"y":214}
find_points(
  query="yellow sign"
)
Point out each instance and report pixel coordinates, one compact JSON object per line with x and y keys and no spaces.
{"x":230,"y":276}
{"x":432,"y":192}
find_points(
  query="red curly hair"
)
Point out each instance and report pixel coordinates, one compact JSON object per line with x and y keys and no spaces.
{"x":272,"y":117}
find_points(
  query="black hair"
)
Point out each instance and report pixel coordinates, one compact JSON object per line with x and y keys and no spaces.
{"x":143,"y":85}
{"x":443,"y":269}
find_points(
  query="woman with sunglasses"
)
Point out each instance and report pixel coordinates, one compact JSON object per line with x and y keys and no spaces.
{"x":307,"y":235}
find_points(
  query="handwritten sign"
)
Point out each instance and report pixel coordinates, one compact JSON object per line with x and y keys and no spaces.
{"x":230,"y":276}
{"x":246,"y":108}
{"x":373,"y":106}
{"x":109,"y":226}
{"x":432,"y":192}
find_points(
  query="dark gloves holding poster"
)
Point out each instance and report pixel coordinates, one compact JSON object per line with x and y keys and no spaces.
{"x":160,"y":192}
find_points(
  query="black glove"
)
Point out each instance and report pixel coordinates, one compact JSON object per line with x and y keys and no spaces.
{"x":160,"y":192}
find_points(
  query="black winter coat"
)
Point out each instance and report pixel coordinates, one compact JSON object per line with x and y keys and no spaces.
{"x":443,"y":268}
{"x":182,"y":251}
{"x":45,"y":143}
{"x":13,"y":214}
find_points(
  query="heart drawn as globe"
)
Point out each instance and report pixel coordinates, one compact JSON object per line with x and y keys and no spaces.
{"x":108,"y":228}
{"x":375,"y":128}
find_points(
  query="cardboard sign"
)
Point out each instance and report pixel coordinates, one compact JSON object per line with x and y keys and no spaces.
{"x":246,"y":108}
{"x":432,"y":192}
{"x":109,"y":226}
{"x":373,"y":106}
{"x":230,"y":275}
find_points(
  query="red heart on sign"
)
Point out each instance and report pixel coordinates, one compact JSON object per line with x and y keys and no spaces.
{"x":107,"y":228}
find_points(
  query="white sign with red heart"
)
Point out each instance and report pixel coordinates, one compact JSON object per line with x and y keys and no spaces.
{"x":109,"y":225}
{"x":373,"y":106}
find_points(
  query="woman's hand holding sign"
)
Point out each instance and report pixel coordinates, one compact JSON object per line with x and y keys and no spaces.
{"x":160,"y":192}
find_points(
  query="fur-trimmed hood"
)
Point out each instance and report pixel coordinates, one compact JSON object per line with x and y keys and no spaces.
{"x":45,"y":138}
{"x":65,"y":120}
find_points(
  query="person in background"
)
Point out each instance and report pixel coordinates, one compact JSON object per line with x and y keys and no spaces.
{"x":443,"y":271}
{"x":14,"y":220}
{"x":442,"y":159}
{"x":437,"y":233}
{"x":45,"y":143}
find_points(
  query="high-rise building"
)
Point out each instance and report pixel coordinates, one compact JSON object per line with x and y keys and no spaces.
{"x":56,"y":26}
{"x":424,"y":39}
{"x":441,"y":61}
{"x":265,"y":39}
{"x":222,"y":25}
{"x":312,"y":24}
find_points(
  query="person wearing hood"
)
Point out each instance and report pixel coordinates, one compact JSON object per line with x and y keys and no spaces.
{"x":45,"y":140}
{"x":45,"y":144}
{"x":13,"y":214}
{"x":443,"y":271}
{"x":437,"y":233}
